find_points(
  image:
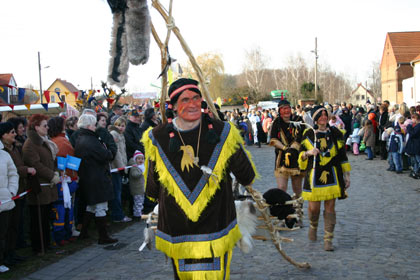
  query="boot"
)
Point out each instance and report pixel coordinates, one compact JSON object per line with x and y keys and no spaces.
{"x":313,"y":225}
{"x":329,"y":224}
{"x":103,"y":234}
{"x":87,"y":217}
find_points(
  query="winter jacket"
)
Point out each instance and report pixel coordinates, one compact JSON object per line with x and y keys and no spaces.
{"x":413,"y":143}
{"x":355,"y":138}
{"x":120,"y":159}
{"x":369,"y":136}
{"x":94,"y":171}
{"x":396,"y":143}
{"x":132,"y":136}
{"x":9,"y":180}
{"x":36,"y":153}
{"x":136,"y":179}
{"x":22,"y":169}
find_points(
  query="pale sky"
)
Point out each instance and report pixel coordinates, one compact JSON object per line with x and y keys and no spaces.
{"x":73,"y":36}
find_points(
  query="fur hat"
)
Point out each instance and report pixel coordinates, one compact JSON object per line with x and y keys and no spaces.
{"x":179,"y":86}
{"x":5,"y":127}
{"x":137,"y":153}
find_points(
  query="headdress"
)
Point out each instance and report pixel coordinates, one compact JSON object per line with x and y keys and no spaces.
{"x":137,"y":153}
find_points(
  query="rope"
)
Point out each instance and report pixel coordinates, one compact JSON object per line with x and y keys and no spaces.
{"x":275,"y":236}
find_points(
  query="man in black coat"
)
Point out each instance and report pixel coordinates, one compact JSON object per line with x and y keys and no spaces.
{"x":133,"y":134}
{"x":94,"y":177}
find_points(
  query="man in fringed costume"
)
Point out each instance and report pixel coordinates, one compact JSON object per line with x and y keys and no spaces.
{"x":286,"y":137}
{"x":328,"y":178}
{"x":188,"y":161}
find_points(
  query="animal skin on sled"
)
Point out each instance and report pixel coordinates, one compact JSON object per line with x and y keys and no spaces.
{"x":130,"y":38}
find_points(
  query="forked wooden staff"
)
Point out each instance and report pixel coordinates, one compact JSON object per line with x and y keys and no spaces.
{"x":167,"y":16}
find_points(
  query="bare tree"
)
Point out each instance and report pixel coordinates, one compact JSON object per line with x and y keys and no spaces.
{"x":255,"y":70}
{"x":375,"y":80}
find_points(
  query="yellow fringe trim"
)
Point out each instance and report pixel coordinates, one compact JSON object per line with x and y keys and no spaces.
{"x":193,"y":211}
{"x":321,"y":193}
{"x":303,"y":164}
{"x":286,"y":171}
{"x":346,"y":167}
{"x":200,"y":249}
{"x":206,"y":275}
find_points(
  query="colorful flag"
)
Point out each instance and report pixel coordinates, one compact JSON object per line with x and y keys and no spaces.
{"x":47,"y":96}
{"x":21,"y":93}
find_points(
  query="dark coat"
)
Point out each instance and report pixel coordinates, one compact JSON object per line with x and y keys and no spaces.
{"x":103,"y":134}
{"x":94,"y":171}
{"x":37,"y":154}
{"x":132,"y":136}
{"x":413,"y":144}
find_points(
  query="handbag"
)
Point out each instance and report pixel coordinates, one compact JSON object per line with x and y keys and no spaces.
{"x":348,"y":141}
{"x":362,"y":147}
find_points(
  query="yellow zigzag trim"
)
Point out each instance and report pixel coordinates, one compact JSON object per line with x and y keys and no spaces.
{"x":200,"y":249}
{"x":193,"y":211}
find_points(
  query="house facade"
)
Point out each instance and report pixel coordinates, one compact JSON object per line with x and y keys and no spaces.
{"x":400,"y":49}
{"x":411,"y":85}
{"x":360,"y":95}
{"x":62,"y":91}
{"x":8,"y":90}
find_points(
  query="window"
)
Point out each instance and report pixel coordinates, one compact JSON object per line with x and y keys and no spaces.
{"x":357,"y":97}
{"x":53,"y":99}
{"x":63,"y":98}
{"x":363,"y":97}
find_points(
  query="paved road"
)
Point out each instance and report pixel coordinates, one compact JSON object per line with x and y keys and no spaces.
{"x":377,"y":237}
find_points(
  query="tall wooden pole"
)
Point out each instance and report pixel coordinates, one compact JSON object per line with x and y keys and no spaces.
{"x":316,"y":68}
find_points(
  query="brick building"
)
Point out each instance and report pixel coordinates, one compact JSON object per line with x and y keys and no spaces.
{"x":399,"y":50}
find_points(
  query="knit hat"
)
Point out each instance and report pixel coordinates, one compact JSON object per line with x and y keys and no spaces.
{"x":181,"y":85}
{"x":283,"y":102}
{"x":317,"y":111}
{"x":5,"y":127}
{"x":137,"y":153}
{"x":149,"y":113}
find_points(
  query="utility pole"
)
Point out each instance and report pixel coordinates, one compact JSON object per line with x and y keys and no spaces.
{"x":40,"y":79}
{"x":316,"y":67}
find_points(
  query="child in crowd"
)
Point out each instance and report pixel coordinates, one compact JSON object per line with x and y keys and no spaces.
{"x":336,"y":121}
{"x":137,"y":182}
{"x":412,"y":147}
{"x":369,"y":139}
{"x":395,"y":149}
{"x":355,"y":138}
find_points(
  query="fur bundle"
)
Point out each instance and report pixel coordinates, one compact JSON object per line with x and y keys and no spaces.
{"x":138,"y":31}
{"x":130,"y":38}
{"x":246,"y":216}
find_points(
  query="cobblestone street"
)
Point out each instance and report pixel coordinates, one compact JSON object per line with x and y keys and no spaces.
{"x":377,"y":236}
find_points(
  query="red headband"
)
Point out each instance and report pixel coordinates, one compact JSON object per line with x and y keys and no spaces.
{"x":178,"y":90}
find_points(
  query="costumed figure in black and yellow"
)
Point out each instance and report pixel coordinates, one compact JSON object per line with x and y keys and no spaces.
{"x":286,"y":137}
{"x":323,"y":156}
{"x":188,"y":162}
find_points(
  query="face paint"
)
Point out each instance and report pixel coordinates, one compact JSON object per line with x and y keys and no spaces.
{"x":188,"y":106}
{"x":285,"y":112}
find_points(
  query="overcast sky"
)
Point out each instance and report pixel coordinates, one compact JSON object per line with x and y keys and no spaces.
{"x":73,"y":36}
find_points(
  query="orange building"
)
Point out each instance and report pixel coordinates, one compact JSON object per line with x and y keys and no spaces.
{"x":400,"y":49}
{"x":62,"y":91}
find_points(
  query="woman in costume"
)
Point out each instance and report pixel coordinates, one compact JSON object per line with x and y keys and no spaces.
{"x":328,"y":177}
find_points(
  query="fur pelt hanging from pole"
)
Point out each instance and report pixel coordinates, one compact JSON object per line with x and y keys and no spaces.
{"x":130,"y":38}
